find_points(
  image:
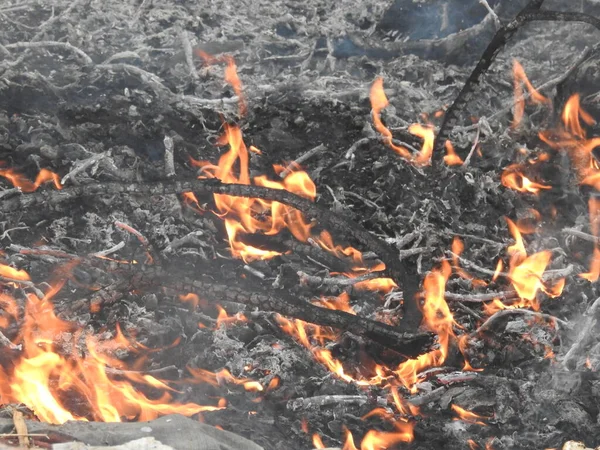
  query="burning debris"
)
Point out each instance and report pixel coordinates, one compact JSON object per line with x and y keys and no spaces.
{"x":408,"y":283}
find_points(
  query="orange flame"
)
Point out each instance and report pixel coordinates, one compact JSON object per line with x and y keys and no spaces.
{"x":382,"y":440}
{"x":520,"y":79}
{"x":102,"y":385}
{"x":12,"y":273}
{"x":525,"y":272}
{"x":317,"y":442}
{"x":18,"y":180}
{"x":437,"y":318}
{"x":512,"y":178}
{"x":468,"y":416}
{"x":451,"y":158}
{"x":594,"y":211}
{"x":247,"y":215}
{"x":379,"y":102}
{"x":231,"y":76}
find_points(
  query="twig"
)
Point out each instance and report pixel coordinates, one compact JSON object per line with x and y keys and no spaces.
{"x":80,"y":166}
{"x":543,"y":87}
{"x":469,"y":311}
{"x":585,"y":335}
{"x":188,"y":52}
{"x":335,"y":223}
{"x":333,"y":281}
{"x":108,"y":251}
{"x":328,"y":400}
{"x":302,"y":158}
{"x":6,"y":342}
{"x":480,"y":298}
{"x":491,"y":12}
{"x":42,"y":44}
{"x":473,"y":147}
{"x":518,"y":311}
{"x":21,"y":428}
{"x":581,"y":235}
{"x":169,"y":157}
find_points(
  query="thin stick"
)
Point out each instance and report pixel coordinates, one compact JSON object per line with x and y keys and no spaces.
{"x":41,"y":44}
{"x":302,"y":158}
{"x":518,"y":311}
{"x":189,"y":54}
{"x":581,"y":235}
{"x":492,"y":13}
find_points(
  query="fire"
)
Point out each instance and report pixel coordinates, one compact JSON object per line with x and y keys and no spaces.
{"x":571,"y":137}
{"x":20,"y":181}
{"x":425,"y":132}
{"x":379,"y":102}
{"x":248,"y":215}
{"x":63,"y":382}
{"x":231,"y":76}
{"x":436,"y":317}
{"x":457,"y":249}
{"x":525,"y":272}
{"x":468,"y":416}
{"x":594,"y":211}
{"x":13,"y":274}
{"x":382,"y":440}
{"x":520,"y":79}
{"x":451,"y":158}
{"x":317,"y":442}
{"x":512,"y":178}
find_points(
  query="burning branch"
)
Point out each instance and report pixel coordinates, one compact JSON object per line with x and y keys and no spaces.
{"x":530,"y":13}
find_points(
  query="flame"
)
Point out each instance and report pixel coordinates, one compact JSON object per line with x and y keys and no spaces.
{"x":99,"y":386}
{"x":572,"y":113}
{"x":425,"y":132}
{"x":468,"y":416}
{"x":525,"y":272}
{"x":325,"y":241}
{"x":379,"y":102}
{"x":231,"y":76}
{"x":339,"y":303}
{"x":571,"y":137}
{"x":382,"y":440}
{"x":594,"y":211}
{"x":512,"y":178}
{"x":457,"y":249}
{"x":317,"y":442}
{"x":520,"y":79}
{"x":12,"y":273}
{"x":383,"y":285}
{"x":249,"y":215}
{"x":437,"y":318}
{"x":451,"y":158}
{"x":349,"y":442}
{"x":20,"y":181}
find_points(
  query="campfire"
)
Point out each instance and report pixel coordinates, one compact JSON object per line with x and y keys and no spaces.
{"x":359,"y":246}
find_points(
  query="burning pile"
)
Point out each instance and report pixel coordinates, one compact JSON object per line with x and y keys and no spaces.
{"x":63,"y":371}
